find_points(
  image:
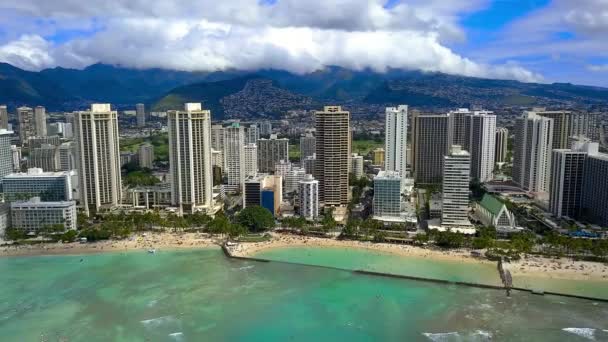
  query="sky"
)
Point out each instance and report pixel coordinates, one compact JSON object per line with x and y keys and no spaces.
{"x":525,"y":40}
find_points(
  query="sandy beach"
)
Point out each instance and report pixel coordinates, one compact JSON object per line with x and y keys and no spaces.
{"x":158,"y":241}
{"x":530,"y":266}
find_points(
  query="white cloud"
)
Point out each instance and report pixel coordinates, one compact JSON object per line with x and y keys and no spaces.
{"x":598,"y":68}
{"x":299,"y":36}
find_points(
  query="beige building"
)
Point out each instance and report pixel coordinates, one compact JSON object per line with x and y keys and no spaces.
{"x":98,"y":158}
{"x":190,"y":158}
{"x":332,"y":150}
{"x":378,"y":156}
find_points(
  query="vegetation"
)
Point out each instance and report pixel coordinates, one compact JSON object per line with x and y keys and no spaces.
{"x":363,"y":147}
{"x":255,"y":219}
{"x":159,"y":141}
{"x":142,"y":177}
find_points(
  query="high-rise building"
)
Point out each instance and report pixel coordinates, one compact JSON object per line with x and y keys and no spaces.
{"x":48,"y":186}
{"x":140,"y":111}
{"x":532,"y":152}
{"x":331,"y":169}
{"x":502,"y":143}
{"x":27,"y":124}
{"x":282,"y":168}
{"x":567,"y":173}
{"x":309,"y":164}
{"x":250,"y":159}
{"x":264,"y":190}
{"x":307,"y":146}
{"x":378,"y":156}
{"x":190,"y":158}
{"x":251,"y":190}
{"x":6,"y":153}
{"x":16,"y":155}
{"x":98,"y":158}
{"x":234,"y":156}
{"x":217,"y":137}
{"x":293,"y":178}
{"x":594,"y":206}
{"x":271,"y":151}
{"x":562,"y":121}
{"x":458,"y":126}
{"x":252,"y":134}
{"x":357,"y":165}
{"x":396,"y":140}
{"x":66,"y":156}
{"x":265,"y":128}
{"x":40,"y":118}
{"x":34,"y":142}
{"x":45,"y":157}
{"x":387,"y":195}
{"x":480,"y":142}
{"x":3,"y":117}
{"x":456,"y":175}
{"x":309,"y":198}
{"x":146,"y":155}
{"x":432,"y":136}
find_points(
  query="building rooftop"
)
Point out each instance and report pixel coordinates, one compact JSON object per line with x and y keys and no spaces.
{"x":492,"y":204}
{"x":36,"y":172}
{"x":389,"y":175}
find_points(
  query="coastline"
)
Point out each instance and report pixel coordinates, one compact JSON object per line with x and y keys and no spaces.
{"x":529,"y":266}
{"x":144,"y":242}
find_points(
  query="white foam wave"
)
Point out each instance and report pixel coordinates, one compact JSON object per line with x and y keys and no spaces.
{"x":483,"y":334}
{"x":441,"y":337}
{"x":588,"y":333}
{"x":155,"y":322}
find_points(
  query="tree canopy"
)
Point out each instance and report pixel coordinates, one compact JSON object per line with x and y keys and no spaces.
{"x":255,"y":219}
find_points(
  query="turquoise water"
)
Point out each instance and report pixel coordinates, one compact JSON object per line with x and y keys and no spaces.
{"x":203,"y":296}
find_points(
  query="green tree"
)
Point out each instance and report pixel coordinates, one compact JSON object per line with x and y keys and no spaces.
{"x":255,"y":219}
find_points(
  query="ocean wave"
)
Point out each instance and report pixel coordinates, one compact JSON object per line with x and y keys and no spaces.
{"x":588,"y":333}
{"x":243,"y":268}
{"x":178,"y":336}
{"x":441,"y":337}
{"x":485,"y":335}
{"x":155,"y":322}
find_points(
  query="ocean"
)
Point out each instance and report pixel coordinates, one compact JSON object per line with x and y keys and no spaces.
{"x":200,"y":295}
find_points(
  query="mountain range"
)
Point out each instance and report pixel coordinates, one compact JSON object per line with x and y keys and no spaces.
{"x":268,"y":93}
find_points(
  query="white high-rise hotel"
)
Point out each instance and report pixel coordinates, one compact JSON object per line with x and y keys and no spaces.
{"x":532,"y":153}
{"x":456,"y":173}
{"x":234,"y":155}
{"x":309,"y":198}
{"x":396,"y":140}
{"x":190,"y":158}
{"x":98,"y":157}
{"x":480,"y":142}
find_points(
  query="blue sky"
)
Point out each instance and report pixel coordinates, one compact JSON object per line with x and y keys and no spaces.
{"x":527,"y":40}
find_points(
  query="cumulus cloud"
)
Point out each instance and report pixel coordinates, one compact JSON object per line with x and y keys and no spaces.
{"x":299,"y":36}
{"x":598,"y":68}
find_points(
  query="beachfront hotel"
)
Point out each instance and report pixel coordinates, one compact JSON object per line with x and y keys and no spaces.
{"x":480,"y":142}
{"x":387,"y":196}
{"x":309,"y":198}
{"x":98,"y":158}
{"x":431,"y":136}
{"x":332,"y":151}
{"x":234,"y":157}
{"x":48,"y":186}
{"x":456,"y":175}
{"x":190,"y":158}
{"x":396,"y":140}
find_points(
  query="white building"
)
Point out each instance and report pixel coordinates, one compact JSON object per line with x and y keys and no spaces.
{"x":251,"y":159}
{"x":49,"y":186}
{"x":217,"y":137}
{"x":456,"y":175}
{"x":493,"y":213}
{"x":293,"y":178}
{"x":34,"y":215}
{"x":396,"y":140}
{"x":140,"y":111}
{"x":480,"y":142}
{"x":252,"y":134}
{"x":282,"y":168}
{"x":6,"y":153}
{"x":308,"y":145}
{"x":66,"y":156}
{"x":40,"y":117}
{"x":309,"y":198}
{"x":98,"y":158}
{"x":16,"y":156}
{"x":234,"y":156}
{"x":502,"y":143}
{"x":532,"y":153}
{"x":217,"y":158}
{"x":357,"y":165}
{"x":146,"y":155}
{"x":387,"y":196}
{"x":190,"y":158}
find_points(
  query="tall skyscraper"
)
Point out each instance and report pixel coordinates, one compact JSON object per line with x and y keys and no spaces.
{"x":456,"y":175}
{"x":457,"y":126}
{"x":502,"y":142}
{"x":3,"y":117}
{"x":6,"y":153}
{"x":98,"y":158}
{"x":40,"y":118}
{"x":45,"y":157}
{"x":252,"y":134}
{"x":190,"y":158}
{"x":594,"y":206}
{"x":140,"y":111}
{"x":396,"y":140}
{"x":332,"y":150}
{"x":234,"y":156}
{"x":66,"y":156}
{"x":250,"y":159}
{"x":309,"y":198}
{"x":567,"y":174}
{"x":146,"y":155}
{"x":271,"y":151}
{"x":293,"y":178}
{"x":387,"y":195}
{"x":217,"y":137}
{"x":532,"y":152}
{"x":27,"y":124}
{"x":265,"y":128}
{"x":480,"y":142}
{"x":432,"y":136}
{"x":307,"y":146}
